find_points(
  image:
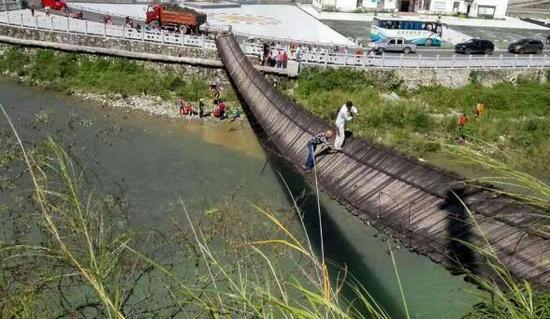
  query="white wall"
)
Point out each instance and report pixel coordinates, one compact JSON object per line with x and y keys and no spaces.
{"x":389,"y":5}
{"x":500,"y":11}
{"x":442,"y":6}
{"x":350,"y":5}
{"x":316,"y":4}
{"x":346,"y":5}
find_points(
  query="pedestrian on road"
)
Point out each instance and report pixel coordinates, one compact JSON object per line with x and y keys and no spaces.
{"x":279,"y":60}
{"x":32,"y":9}
{"x":317,"y":139}
{"x":346,"y":114}
{"x":47,"y":10}
{"x":285,"y":59}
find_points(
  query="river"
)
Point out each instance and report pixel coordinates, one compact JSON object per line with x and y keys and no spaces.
{"x":157,"y":162}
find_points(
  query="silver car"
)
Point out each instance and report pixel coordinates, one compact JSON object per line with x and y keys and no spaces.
{"x":394,"y":45}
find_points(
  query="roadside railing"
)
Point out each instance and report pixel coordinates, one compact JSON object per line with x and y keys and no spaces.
{"x":419,"y":61}
{"x":85,"y":27}
{"x":311,"y":55}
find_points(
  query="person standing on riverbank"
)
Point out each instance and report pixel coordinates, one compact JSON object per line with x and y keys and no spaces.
{"x":201,"y":108}
{"x":346,"y":114}
{"x":181,"y":105}
{"x":317,"y":139}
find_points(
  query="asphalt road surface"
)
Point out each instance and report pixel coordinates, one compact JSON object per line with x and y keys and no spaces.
{"x":428,"y":52}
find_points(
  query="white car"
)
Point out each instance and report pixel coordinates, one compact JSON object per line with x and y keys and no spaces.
{"x":394,"y":45}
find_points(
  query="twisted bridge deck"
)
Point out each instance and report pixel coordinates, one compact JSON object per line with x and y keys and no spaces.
{"x":399,"y":195}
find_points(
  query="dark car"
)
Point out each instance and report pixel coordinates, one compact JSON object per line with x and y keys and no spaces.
{"x":548,"y":39}
{"x":475,"y":46}
{"x":526,"y":46}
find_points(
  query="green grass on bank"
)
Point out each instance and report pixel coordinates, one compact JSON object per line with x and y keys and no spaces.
{"x":517,"y":118}
{"x":69,"y":72}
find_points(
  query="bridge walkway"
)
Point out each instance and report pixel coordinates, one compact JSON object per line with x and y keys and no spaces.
{"x":399,"y":195}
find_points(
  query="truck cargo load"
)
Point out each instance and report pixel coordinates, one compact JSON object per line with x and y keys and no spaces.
{"x":175,"y":17}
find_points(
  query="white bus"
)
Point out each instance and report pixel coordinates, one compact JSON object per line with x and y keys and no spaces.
{"x":419,"y":31}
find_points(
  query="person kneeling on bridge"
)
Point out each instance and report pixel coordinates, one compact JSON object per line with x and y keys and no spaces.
{"x":317,"y":139}
{"x":345,"y":114}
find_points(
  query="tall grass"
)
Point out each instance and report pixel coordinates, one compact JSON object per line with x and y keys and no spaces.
{"x":507,"y":180}
{"x":64,"y":214}
{"x":70,"y":72}
{"x":501,"y":294}
{"x":508,"y":296}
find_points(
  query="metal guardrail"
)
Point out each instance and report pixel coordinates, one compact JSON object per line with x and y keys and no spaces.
{"x":324,"y":57}
{"x":85,"y":27}
{"x":319,"y":56}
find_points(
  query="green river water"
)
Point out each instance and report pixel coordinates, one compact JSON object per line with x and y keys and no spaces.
{"x":158,"y":161}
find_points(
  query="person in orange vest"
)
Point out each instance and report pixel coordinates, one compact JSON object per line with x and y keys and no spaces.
{"x":463,"y":120}
{"x":479,"y":109}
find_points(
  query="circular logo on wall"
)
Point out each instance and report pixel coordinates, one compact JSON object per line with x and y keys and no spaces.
{"x":236,"y":18}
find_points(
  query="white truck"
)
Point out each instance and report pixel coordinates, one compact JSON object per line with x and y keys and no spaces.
{"x":394,"y":45}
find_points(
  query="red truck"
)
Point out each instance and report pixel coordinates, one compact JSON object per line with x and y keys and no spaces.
{"x":174,"y":17}
{"x":54,"y":4}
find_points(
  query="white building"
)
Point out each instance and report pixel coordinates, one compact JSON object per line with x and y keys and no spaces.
{"x":470,"y":8}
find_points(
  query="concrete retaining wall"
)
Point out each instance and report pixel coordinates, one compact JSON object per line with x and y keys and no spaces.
{"x":415,"y":78}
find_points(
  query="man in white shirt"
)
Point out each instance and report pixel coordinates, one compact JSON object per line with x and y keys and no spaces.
{"x":346,"y":114}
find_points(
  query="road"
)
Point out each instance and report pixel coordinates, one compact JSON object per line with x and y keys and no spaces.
{"x":428,"y":52}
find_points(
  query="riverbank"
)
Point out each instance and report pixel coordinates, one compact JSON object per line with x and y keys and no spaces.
{"x":153,"y":88}
{"x":515,"y":126}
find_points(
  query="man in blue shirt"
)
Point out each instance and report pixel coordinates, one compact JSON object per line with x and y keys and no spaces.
{"x":317,"y":139}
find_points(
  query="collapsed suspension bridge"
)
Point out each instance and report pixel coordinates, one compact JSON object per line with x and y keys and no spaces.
{"x":401,"y":196}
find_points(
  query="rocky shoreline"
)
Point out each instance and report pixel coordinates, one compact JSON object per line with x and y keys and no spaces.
{"x":152,"y":105}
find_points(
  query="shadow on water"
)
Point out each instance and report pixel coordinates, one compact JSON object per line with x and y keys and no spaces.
{"x":458,"y":230}
{"x":337,"y":248}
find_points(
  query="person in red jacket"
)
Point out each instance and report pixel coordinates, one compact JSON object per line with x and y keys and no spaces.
{"x":285,"y":59}
{"x":181,"y":104}
{"x":190,"y":110}
{"x":221,"y":110}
